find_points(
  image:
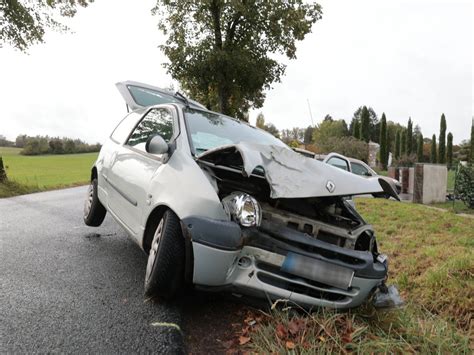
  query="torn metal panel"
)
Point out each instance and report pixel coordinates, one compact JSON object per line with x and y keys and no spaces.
{"x":292,"y":175}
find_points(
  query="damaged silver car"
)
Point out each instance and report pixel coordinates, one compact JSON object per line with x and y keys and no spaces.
{"x":222,"y":205}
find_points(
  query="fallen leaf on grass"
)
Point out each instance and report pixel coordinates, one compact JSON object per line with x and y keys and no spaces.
{"x":290,"y":345}
{"x":281,"y":331}
{"x":243,"y":340}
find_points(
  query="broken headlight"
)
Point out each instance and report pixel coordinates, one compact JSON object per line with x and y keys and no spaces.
{"x":243,"y":208}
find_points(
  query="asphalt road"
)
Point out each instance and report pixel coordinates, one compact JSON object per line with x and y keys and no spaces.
{"x":66,"y":289}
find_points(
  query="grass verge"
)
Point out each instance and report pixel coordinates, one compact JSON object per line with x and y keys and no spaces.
{"x":27,"y":174}
{"x":454,"y":207}
{"x":432,"y":263}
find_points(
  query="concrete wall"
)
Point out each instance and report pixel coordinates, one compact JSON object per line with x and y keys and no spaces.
{"x":435,"y":183}
{"x":430,"y":184}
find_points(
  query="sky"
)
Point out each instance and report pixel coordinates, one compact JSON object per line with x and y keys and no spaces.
{"x":405,"y":58}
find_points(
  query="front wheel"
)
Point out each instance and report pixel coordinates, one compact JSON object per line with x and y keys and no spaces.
{"x":94,"y":211}
{"x":165,"y":267}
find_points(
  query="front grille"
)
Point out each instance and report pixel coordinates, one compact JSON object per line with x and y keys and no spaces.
{"x":272,"y":275}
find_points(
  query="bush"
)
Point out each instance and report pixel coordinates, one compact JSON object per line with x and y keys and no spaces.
{"x":348,"y":146}
{"x":464,"y":185}
{"x":405,"y":161}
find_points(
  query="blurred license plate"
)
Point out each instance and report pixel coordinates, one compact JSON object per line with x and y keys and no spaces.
{"x":318,"y":270}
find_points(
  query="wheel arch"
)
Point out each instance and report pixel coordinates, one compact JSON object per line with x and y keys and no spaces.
{"x":152,"y":222}
{"x":94,"y":173}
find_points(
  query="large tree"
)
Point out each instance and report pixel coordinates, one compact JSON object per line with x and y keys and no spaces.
{"x":374,"y":124}
{"x":223,"y":52}
{"x":442,"y":140}
{"x":23,"y":22}
{"x":433,"y":150}
{"x":356,"y":128}
{"x":383,"y":142}
{"x":409,"y":141}
{"x":308,"y":135}
{"x":365,"y":125}
{"x":449,"y":151}
{"x":326,"y":130}
{"x":419,"y":149}
{"x":403,"y":143}
{"x":398,"y":144}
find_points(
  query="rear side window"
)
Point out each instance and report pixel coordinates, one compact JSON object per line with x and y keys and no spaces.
{"x":121,"y":132}
{"x":148,"y":97}
{"x":338,"y":163}
{"x":157,"y":121}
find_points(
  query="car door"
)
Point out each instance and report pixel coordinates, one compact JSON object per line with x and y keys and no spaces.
{"x":132,"y":168}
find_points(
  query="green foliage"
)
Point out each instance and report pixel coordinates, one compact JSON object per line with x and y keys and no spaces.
{"x":405,"y":160}
{"x":348,"y":146}
{"x":53,"y":145}
{"x":270,"y":127}
{"x":294,"y":144}
{"x":260,"y":122}
{"x":419,"y":150}
{"x":374,"y":124}
{"x":449,"y":153}
{"x":23,"y":23}
{"x":392,"y":129}
{"x":471,"y":156}
{"x":464,"y":184}
{"x":4,"y":142}
{"x":442,"y":141}
{"x":398,"y":145}
{"x":223,"y":52}
{"x":365,"y":125}
{"x":409,"y":139}
{"x":308,"y":135}
{"x":329,"y":129}
{"x":433,"y":150}
{"x":383,"y":142}
{"x":403,"y":143}
{"x":356,"y":129}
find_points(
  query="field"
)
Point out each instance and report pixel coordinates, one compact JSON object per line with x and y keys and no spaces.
{"x":43,"y":172}
{"x":431,"y":262}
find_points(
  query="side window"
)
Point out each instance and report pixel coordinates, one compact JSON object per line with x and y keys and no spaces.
{"x":338,"y":163}
{"x":157,"y":121}
{"x":123,"y":129}
{"x":359,"y":169}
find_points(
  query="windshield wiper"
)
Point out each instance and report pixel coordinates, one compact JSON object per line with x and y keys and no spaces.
{"x":182,"y":98}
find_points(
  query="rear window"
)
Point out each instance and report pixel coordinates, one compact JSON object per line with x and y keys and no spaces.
{"x":147,"y":97}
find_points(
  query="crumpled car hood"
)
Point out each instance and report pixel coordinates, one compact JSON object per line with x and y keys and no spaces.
{"x":292,"y":175}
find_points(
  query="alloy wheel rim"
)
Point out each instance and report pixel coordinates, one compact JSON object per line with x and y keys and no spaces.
{"x":154,"y":249}
{"x":89,"y":199}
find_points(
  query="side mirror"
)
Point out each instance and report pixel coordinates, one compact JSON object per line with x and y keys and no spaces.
{"x":156,"y":145}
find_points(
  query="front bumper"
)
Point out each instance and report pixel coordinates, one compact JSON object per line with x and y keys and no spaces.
{"x":249,"y":261}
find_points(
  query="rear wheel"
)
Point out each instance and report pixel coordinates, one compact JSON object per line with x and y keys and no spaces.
{"x":165,"y":267}
{"x":94,"y":211}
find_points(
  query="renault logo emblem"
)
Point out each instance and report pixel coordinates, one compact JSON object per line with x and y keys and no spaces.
{"x":330,"y":186}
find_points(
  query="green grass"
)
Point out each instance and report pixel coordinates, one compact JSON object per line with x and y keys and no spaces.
{"x":43,"y":172}
{"x":431,"y":262}
{"x":456,"y":207}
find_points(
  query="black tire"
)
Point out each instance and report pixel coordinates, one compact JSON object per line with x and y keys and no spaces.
{"x":164,"y":276}
{"x":94,"y":211}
